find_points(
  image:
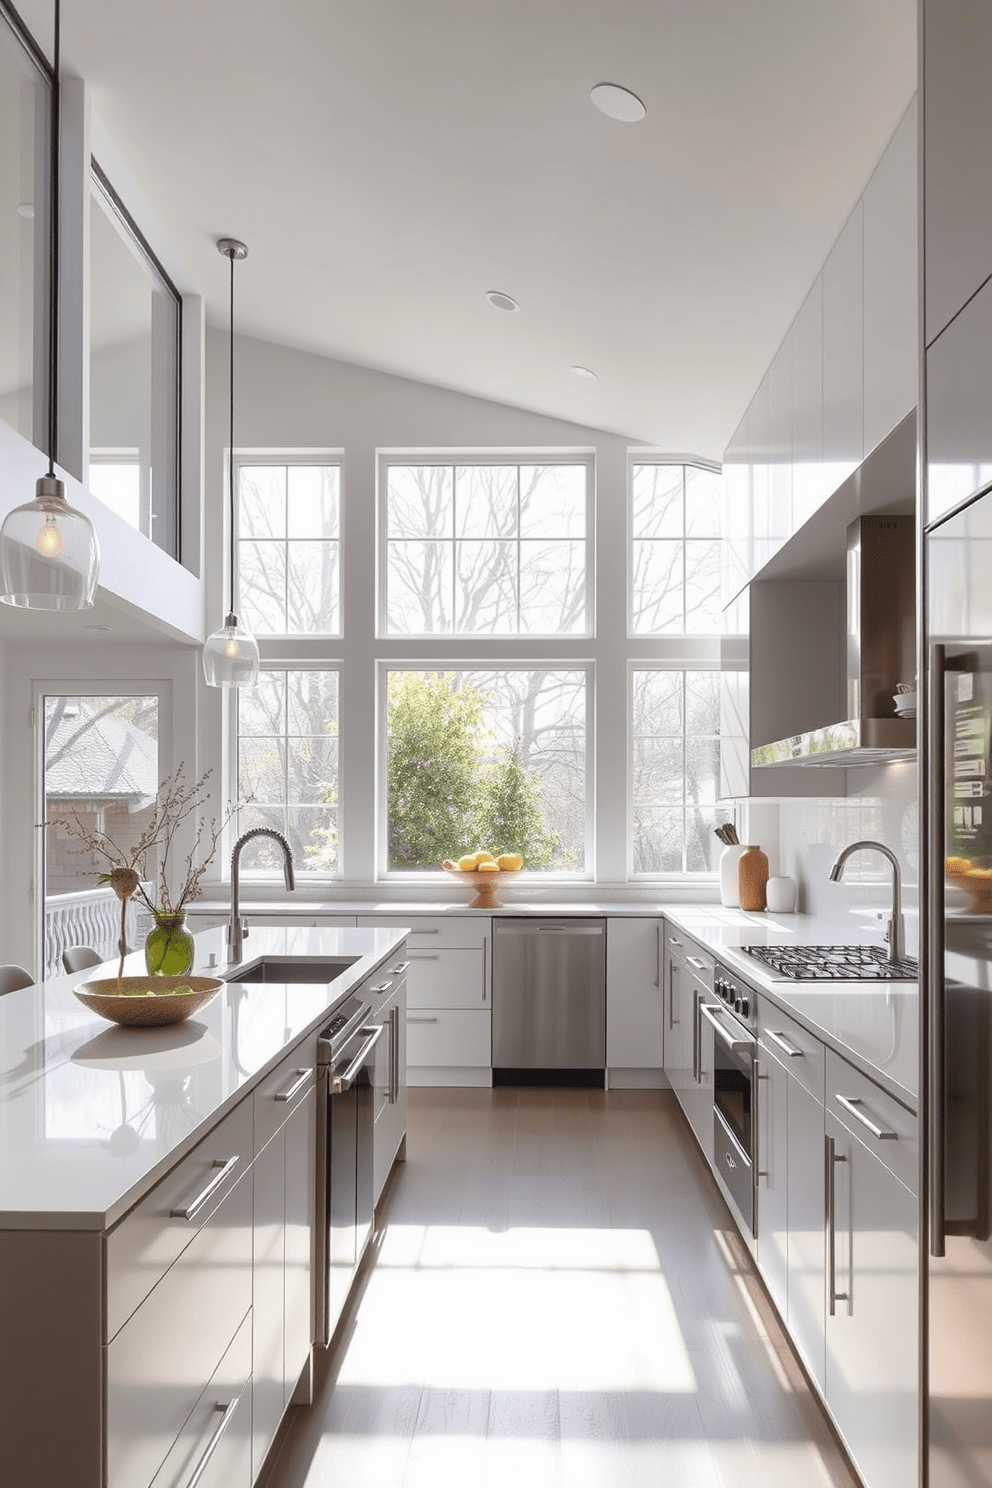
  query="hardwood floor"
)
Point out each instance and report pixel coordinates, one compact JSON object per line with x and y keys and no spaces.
{"x":559,"y":1300}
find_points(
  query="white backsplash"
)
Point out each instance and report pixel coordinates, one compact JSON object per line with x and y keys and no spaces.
{"x":882,"y":805}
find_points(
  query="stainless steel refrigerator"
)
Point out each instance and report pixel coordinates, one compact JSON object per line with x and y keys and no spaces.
{"x":957,"y":928}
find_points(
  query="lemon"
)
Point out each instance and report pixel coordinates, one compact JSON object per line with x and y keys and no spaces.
{"x":467,"y":863}
{"x":489,"y":867}
{"x":510,"y":862}
{"x":483,"y":857}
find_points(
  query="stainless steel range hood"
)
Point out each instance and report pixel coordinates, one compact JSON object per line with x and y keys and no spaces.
{"x":881,"y":652}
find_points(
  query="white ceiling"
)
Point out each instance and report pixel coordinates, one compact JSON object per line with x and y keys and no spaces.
{"x":389,"y":161}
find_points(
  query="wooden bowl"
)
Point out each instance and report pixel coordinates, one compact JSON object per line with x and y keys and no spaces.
{"x":485,"y":884}
{"x":147,"y":1001}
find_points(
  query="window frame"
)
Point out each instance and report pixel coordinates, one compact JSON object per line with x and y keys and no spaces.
{"x":684,"y":462}
{"x":512,"y":456}
{"x":245,"y":456}
{"x":385,"y":665}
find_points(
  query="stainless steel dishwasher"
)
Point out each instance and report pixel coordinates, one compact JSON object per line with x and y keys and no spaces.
{"x":549,"y":1001}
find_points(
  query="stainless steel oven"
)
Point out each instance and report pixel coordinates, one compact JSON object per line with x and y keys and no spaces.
{"x":345,"y":1123}
{"x":735,"y":1043}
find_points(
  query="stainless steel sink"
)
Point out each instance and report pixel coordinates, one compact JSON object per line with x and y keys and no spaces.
{"x":286,"y":969}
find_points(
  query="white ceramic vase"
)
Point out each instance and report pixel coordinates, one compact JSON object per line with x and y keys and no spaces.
{"x":730,"y":893}
{"x":780,"y":894}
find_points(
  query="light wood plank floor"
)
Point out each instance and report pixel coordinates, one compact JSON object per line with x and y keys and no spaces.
{"x":559,"y":1300}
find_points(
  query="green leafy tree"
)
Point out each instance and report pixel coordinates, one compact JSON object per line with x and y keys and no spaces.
{"x":447,"y":795}
{"x":511,"y":815}
{"x":435,"y":739}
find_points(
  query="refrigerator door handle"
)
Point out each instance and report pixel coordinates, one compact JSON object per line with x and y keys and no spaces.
{"x":936,"y":734}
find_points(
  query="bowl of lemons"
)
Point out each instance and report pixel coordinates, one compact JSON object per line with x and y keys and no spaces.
{"x":485,"y":872}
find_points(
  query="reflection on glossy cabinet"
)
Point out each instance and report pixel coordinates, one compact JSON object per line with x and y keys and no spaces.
{"x":389,"y":1136}
{"x":959,"y":409}
{"x":634,"y":1011}
{"x":676,"y":1012}
{"x":773,"y":1178}
{"x":872,"y":1336}
{"x":891,"y":351}
{"x":806,"y":1237}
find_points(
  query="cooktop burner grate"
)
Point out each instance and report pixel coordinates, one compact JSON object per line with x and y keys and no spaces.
{"x":857,"y":963}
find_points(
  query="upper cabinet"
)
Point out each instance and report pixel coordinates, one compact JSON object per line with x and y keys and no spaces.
{"x":844,"y":377}
{"x":957,"y":169}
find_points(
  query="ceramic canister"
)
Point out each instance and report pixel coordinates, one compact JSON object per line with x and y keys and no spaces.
{"x":730,"y":894}
{"x":781,"y":895}
{"x":752,"y":876}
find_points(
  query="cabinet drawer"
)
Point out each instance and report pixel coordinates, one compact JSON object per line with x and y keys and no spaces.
{"x":676,"y":945}
{"x":279,"y":1094}
{"x":162,"y":1359}
{"x":792,"y":1045}
{"x":449,"y":1036}
{"x":218,"y":1431}
{"x":149,"y":1239}
{"x":868,"y":1106}
{"x":427,"y":932}
{"x":445,"y":978}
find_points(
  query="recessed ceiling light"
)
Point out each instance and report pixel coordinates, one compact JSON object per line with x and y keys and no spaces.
{"x":618,"y":103}
{"x":583,"y":372}
{"x":26,"y":210}
{"x":102,"y":629}
{"x":501,"y":301}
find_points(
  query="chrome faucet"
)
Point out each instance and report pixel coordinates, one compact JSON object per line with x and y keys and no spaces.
{"x":237,"y":928}
{"x":896,"y":934}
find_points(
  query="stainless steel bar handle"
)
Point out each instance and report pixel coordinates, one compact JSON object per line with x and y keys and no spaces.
{"x":852,"y":1104}
{"x":736,"y":1045}
{"x":338,"y":1084}
{"x":224,"y":1168}
{"x":412,"y":1018}
{"x":784,"y":1045}
{"x":485,"y":949}
{"x":657,"y":956}
{"x":672,"y":941}
{"x":933,"y":929}
{"x":399,"y":968}
{"x":831,"y":1196}
{"x":214,"y":1442}
{"x":695,"y":961}
{"x":423,"y":956}
{"x":695,"y":1037}
{"x":302,"y":1077}
{"x":673,"y":972}
{"x":394,"y":1050}
{"x":430,"y":931}
{"x":381,"y":987}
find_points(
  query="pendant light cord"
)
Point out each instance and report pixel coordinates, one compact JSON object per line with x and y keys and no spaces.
{"x":54,"y":248}
{"x":230,"y":453}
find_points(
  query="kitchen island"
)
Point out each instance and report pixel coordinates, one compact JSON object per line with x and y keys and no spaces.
{"x":136,"y":1231}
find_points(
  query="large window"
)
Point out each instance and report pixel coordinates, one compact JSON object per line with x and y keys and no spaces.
{"x":675,"y":771}
{"x":25,"y":115}
{"x":485,"y":549}
{"x":487,"y":758}
{"x":289,"y":547}
{"x":675,"y":550}
{"x":288,"y":768}
{"x":135,"y":339}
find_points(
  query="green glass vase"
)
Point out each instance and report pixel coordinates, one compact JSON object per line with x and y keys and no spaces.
{"x":169,"y":946}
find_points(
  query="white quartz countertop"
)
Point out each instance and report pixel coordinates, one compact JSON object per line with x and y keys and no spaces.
{"x":92,"y":1115}
{"x":873,"y":1024}
{"x":292,"y":907}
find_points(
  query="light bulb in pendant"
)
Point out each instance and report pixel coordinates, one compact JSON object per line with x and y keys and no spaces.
{"x":231,"y":648}
{"x":50,"y":542}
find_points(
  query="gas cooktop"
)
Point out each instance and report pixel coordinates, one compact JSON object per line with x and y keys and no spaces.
{"x":857,"y":963}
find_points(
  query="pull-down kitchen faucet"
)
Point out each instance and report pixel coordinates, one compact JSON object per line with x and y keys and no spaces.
{"x":896,"y":931}
{"x":237,"y":928}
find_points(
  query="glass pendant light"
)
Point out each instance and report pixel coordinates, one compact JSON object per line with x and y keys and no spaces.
{"x":49,"y":554}
{"x":230,"y":655}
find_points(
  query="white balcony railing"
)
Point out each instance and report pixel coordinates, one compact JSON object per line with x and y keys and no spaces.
{"x":91,"y":918}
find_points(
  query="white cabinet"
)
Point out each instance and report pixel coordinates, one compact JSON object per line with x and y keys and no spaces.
{"x":807,"y":1218}
{"x":891,"y":350}
{"x":677,"y":1010}
{"x":285,"y":1173}
{"x":389,"y":1012}
{"x":772,"y":1197}
{"x":872,"y":1332}
{"x":635,"y":1023}
{"x":697,"y":1054}
{"x":449,"y":1016}
{"x":843,"y":352}
{"x":216,"y":1439}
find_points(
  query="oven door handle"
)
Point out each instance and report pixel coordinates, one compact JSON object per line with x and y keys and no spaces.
{"x":735,"y":1042}
{"x":338,"y":1084}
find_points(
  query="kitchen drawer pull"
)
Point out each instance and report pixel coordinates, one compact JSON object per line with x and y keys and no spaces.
{"x":853,"y":1104}
{"x":423,"y":956}
{"x":673,"y":942}
{"x":831,"y":1201}
{"x":338,"y":1084}
{"x":433,"y":931}
{"x":399,"y":968}
{"x":302,"y":1076}
{"x":485,"y":945}
{"x":223,"y":1170}
{"x":735,"y":1043}
{"x":657,"y":956}
{"x":784,"y":1045}
{"x":410,"y":1018}
{"x":695,"y":961}
{"x":381,"y":987}
{"x":214,"y":1442}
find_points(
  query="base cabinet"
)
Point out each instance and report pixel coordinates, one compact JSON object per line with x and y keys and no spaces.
{"x":213,"y":1450}
{"x":772,"y":1188}
{"x":389,"y":1135}
{"x":635,"y":1023}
